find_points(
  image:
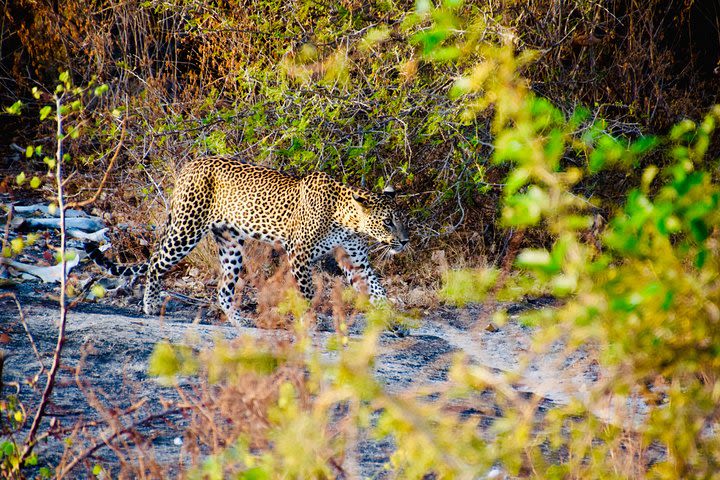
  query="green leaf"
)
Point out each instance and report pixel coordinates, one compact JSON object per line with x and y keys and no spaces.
{"x":429,"y":39}
{"x":554,"y":148}
{"x":375,"y":36}
{"x":596,"y":161}
{"x":534,"y":258}
{"x":99,"y":91}
{"x":512,"y":145}
{"x":444,"y":54}
{"x":97,"y":470}
{"x":517,"y":178}
{"x":31,"y":238}
{"x":644,"y":144}
{"x":465,"y":286}
{"x":163,"y":362}
{"x":461,"y":86}
{"x":20,"y":179}
{"x":423,"y":6}
{"x":7,"y":448}
{"x":45,"y":111}
{"x":256,"y":473}
{"x":15,"y":108}
{"x":648,"y":176}
{"x":69,"y":256}
{"x":29,"y":151}
{"x":578,"y":116}
{"x":699,"y":230}
{"x":35,"y":182}
{"x":98,"y":291}
{"x":680,"y":129}
{"x":526,"y":208}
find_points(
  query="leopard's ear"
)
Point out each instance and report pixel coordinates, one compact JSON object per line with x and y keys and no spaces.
{"x":361,"y":199}
{"x":389,"y":191}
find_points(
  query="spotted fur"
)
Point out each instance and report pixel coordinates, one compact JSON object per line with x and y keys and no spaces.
{"x":235,"y":201}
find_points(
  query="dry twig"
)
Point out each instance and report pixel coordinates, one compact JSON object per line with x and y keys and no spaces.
{"x":27,"y":330}
{"x":30,"y":441}
{"x":100,"y":187}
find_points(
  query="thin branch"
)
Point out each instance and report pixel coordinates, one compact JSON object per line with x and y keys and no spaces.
{"x":105,"y":440}
{"x":6,"y":235}
{"x":194,"y":129}
{"x":17,"y":148}
{"x":27,"y":330}
{"x":107,"y":173}
{"x":30,"y":442}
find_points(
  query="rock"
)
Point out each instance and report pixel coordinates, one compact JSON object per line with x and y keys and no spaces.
{"x":96,"y":237}
{"x":87,"y":224}
{"x":45,"y":210}
{"x":45,"y":274}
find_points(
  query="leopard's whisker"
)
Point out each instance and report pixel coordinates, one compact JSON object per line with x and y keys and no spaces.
{"x":377,"y":247}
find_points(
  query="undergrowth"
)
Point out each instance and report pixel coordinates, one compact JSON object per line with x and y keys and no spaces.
{"x":459,"y":104}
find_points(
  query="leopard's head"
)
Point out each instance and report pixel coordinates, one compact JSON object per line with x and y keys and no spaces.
{"x":379,"y":217}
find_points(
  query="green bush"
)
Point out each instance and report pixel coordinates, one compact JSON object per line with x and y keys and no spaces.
{"x":646,"y":301}
{"x":378,"y":94}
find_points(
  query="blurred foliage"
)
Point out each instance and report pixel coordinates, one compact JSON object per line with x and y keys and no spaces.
{"x":647,"y":303}
{"x":648,"y":300}
{"x":450,"y":101}
{"x":644,"y":296}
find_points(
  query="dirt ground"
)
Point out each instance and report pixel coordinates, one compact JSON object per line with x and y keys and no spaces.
{"x":113,"y":344}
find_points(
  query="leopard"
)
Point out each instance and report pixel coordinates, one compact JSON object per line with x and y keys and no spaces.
{"x":309,"y":217}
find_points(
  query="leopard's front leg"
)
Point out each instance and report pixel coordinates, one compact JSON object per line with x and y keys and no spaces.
{"x":356,"y":266}
{"x":181,"y":236}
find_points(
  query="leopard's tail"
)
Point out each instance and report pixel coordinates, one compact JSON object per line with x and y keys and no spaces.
{"x":118,"y":270}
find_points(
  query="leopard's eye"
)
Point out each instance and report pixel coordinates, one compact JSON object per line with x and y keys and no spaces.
{"x":388,"y":222}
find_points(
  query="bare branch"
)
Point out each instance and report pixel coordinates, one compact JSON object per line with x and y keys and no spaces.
{"x":27,"y":330}
{"x":107,"y":173}
{"x":30,"y":441}
{"x":106,"y":440}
